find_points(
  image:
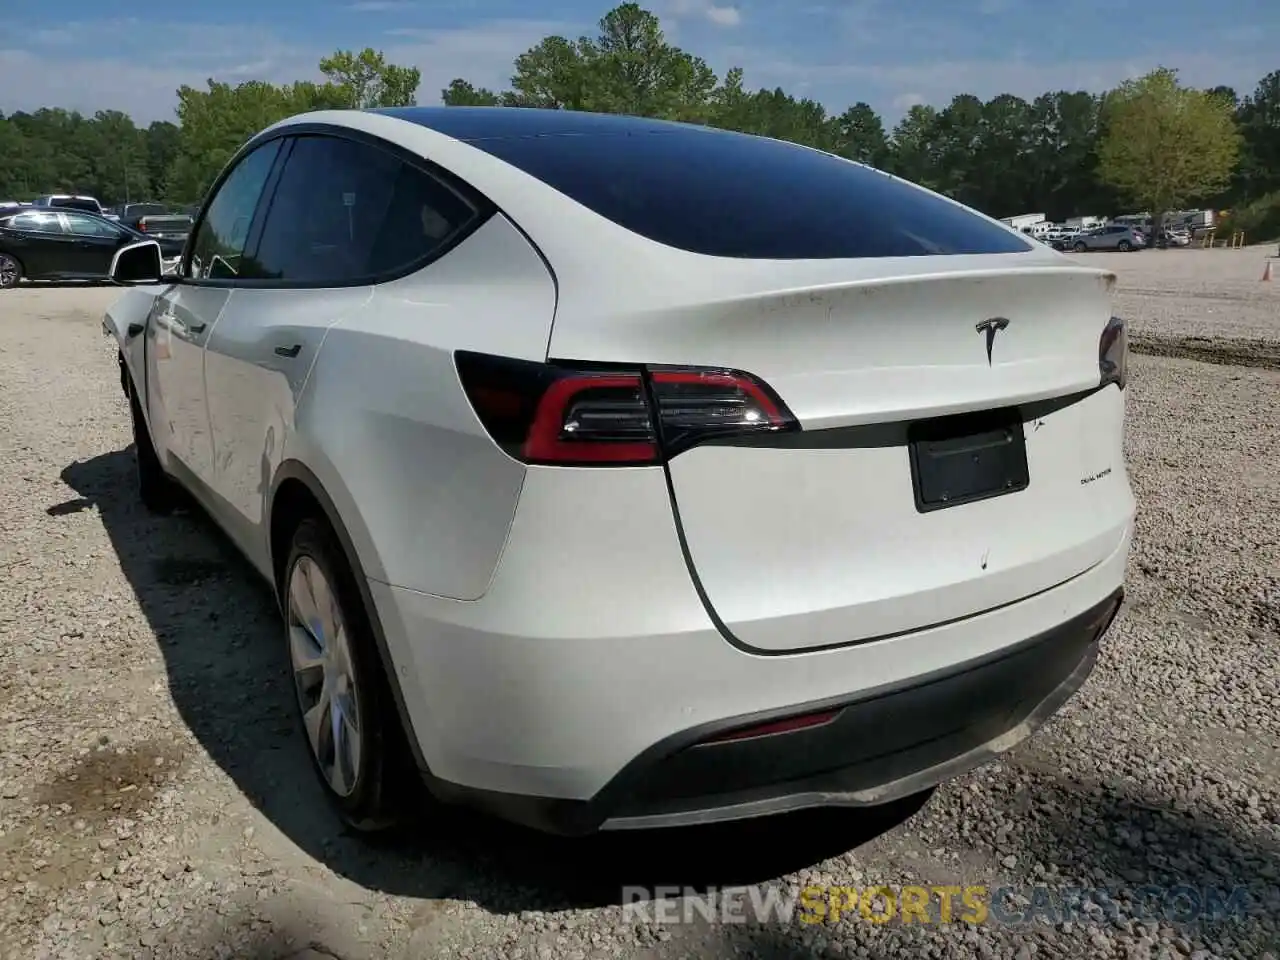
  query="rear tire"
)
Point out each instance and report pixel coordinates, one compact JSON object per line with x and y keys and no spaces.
{"x":345,"y":705}
{"x":1079,"y":247}
{"x":1124,"y":246}
{"x":158,"y":492}
{"x":10,"y":271}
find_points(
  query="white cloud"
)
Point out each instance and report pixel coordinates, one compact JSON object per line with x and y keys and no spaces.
{"x":484,"y":54}
{"x":147,"y":61}
{"x":722,"y":15}
{"x":937,"y":82}
{"x":379,"y":6}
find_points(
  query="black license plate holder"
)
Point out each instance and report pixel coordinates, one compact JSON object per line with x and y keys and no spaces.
{"x":968,"y":457}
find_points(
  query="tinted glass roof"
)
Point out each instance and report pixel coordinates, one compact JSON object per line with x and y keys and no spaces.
{"x":717,"y":192}
{"x":484,"y":123}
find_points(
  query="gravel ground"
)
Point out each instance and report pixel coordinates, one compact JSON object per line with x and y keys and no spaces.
{"x":155,"y":800}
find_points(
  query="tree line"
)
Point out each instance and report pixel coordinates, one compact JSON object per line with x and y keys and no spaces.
{"x":1150,"y":144}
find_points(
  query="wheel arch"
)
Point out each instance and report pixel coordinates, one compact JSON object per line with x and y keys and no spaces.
{"x":297,"y":493}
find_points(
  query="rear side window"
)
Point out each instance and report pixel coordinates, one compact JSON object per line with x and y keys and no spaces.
{"x":220,"y":238}
{"x":83,"y":226}
{"x":345,"y":212}
{"x":730,"y":195}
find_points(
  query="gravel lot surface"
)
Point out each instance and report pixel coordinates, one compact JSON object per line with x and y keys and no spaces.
{"x":155,"y":798}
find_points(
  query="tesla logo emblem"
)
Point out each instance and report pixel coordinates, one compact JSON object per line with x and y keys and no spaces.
{"x":991,"y":328}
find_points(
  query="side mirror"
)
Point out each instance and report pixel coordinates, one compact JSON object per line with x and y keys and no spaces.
{"x":137,"y":264}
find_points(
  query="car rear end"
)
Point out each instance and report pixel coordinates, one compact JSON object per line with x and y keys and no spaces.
{"x":809,"y":515}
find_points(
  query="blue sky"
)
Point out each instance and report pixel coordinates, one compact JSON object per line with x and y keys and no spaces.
{"x":98,"y":54}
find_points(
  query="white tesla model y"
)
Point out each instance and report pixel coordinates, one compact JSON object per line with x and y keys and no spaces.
{"x":616,"y":473}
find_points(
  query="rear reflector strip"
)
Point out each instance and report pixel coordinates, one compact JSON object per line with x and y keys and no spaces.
{"x":805,"y":721}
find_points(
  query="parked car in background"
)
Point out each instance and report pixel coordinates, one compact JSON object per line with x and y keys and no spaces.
{"x":554,"y":568}
{"x":1115,"y":236}
{"x":1177,"y":237}
{"x":42,"y":243}
{"x":64,"y":201}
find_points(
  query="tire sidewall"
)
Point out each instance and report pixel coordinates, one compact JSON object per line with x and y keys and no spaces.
{"x":364,"y":808}
{"x":1079,"y":247}
{"x":155,"y":489}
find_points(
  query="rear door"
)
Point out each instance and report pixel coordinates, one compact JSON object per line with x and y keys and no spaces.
{"x":343,"y":216}
{"x":94,"y":242}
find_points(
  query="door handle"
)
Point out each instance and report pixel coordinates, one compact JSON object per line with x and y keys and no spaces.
{"x":195,"y":327}
{"x":289,"y":351}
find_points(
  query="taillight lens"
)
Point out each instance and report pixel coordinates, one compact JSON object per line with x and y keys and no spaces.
{"x":142,"y":226}
{"x":601,"y":416}
{"x":1113,"y":353}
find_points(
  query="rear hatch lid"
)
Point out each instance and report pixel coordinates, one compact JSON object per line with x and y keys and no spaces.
{"x":867,"y":523}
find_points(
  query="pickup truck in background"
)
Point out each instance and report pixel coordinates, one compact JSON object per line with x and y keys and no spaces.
{"x":170,"y":230}
{"x":130,"y":213}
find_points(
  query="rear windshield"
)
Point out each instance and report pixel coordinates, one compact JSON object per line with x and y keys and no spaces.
{"x":75,"y":203}
{"x":729,"y":195}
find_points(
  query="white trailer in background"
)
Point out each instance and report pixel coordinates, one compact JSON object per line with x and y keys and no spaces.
{"x":1023,"y":221}
{"x":1086,"y":222}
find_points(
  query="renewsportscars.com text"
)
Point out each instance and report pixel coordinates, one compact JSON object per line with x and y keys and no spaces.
{"x":930,"y":904}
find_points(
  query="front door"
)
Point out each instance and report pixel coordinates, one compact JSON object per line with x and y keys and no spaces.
{"x":181,"y":321}
{"x":185,"y":317}
{"x":39,"y":240}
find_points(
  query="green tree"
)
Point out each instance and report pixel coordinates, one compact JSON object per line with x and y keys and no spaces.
{"x":1166,"y":145}
{"x":163,"y":140}
{"x":860,"y":135}
{"x":915,"y":150}
{"x":367,"y":80}
{"x":1003,"y":156}
{"x":460,"y":93}
{"x":1259,"y":116}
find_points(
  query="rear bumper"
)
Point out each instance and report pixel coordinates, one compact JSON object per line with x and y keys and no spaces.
{"x":573,"y":694}
{"x":885,"y":744}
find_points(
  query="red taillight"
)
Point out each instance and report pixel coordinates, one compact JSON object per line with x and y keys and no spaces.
{"x":551,"y":414}
{"x":1113,"y":354}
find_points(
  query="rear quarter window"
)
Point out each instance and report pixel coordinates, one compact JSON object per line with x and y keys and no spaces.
{"x":725,"y":194}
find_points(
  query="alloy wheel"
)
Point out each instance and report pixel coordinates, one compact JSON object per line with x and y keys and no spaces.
{"x":8,"y":271}
{"x":324,"y":677}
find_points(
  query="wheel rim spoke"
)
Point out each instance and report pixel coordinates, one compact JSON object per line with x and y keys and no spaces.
{"x":314,"y":721}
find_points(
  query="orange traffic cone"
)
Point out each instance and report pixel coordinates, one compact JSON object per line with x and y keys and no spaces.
{"x":1266,"y":274}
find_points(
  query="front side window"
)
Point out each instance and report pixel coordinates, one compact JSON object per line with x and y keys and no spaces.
{"x":220,"y":238}
{"x":346,"y":212}
{"x":36,"y":223}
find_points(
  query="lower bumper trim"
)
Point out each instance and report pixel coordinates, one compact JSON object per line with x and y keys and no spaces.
{"x":883,"y":745}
